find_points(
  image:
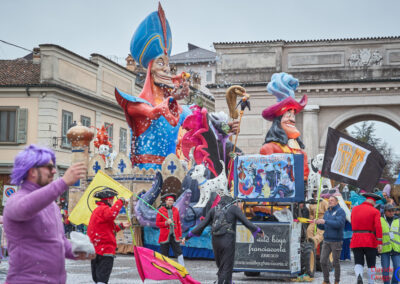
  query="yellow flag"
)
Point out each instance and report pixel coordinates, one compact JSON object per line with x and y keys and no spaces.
{"x":84,"y":208}
{"x":303,"y":220}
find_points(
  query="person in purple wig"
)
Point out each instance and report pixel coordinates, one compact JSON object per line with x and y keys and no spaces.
{"x":33,"y":156}
{"x":32,"y":220}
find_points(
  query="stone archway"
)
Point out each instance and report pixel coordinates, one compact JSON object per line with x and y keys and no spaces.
{"x":361,"y":114}
{"x":346,"y":81}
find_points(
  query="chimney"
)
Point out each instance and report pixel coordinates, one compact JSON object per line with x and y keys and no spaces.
{"x":36,"y":55}
{"x":130,"y":63}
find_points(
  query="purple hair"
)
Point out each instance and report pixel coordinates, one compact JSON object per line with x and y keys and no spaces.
{"x":30,"y":157}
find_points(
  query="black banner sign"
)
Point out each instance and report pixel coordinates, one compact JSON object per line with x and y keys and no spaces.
{"x":351,"y":161}
{"x":268,"y":253}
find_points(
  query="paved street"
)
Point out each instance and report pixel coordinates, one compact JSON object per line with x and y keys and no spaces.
{"x":202,"y":270}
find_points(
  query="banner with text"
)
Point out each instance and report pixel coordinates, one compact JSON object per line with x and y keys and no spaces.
{"x":271,"y":253}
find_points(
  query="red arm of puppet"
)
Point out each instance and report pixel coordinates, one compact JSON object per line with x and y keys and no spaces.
{"x":169,"y":108}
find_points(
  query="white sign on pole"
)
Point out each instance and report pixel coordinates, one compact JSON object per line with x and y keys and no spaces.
{"x":8,"y":190}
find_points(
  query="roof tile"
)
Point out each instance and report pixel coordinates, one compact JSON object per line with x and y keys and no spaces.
{"x":19,"y":72}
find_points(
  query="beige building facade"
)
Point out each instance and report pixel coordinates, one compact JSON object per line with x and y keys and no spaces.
{"x":200,"y":63}
{"x":43,"y":94}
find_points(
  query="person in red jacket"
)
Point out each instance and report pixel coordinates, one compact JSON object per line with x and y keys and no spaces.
{"x":170,"y":229}
{"x":102,"y":230}
{"x":367,"y":236}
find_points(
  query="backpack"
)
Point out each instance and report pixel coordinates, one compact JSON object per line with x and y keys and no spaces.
{"x":220,"y":225}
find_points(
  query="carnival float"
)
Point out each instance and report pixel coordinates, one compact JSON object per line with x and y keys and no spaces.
{"x":188,"y":151}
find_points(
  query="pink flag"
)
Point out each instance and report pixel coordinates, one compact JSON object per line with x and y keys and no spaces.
{"x":155,"y":266}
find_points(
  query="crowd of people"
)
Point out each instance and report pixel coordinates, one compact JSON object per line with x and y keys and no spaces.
{"x":35,"y":225}
{"x":33,"y":221}
{"x":374,"y":232}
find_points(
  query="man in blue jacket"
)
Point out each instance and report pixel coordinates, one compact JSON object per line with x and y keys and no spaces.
{"x":333,"y":225}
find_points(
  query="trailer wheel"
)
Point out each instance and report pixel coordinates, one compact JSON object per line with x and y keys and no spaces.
{"x":251,"y":273}
{"x":308,"y":259}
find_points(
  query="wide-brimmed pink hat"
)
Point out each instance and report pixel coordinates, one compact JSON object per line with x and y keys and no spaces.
{"x":283,"y":86}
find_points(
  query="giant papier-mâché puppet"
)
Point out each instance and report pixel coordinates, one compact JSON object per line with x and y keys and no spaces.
{"x":155,"y":115}
{"x":283,"y":136}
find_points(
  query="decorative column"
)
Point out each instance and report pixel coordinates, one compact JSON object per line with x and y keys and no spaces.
{"x":310,"y":130}
{"x":80,"y":137}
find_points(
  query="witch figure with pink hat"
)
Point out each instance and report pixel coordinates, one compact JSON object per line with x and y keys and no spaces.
{"x":283,"y":136}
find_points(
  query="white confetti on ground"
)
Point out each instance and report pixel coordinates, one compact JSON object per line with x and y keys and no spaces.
{"x":124,"y":272}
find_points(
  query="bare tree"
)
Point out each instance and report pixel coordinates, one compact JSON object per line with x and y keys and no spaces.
{"x":366,"y":133}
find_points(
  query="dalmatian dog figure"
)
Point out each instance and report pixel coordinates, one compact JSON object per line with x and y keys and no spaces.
{"x":218,"y":184}
{"x":314,"y":177}
{"x":109,"y":156}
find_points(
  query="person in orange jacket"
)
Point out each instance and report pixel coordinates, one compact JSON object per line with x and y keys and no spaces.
{"x":367,"y":236}
{"x":102,"y":230}
{"x":170,"y":229}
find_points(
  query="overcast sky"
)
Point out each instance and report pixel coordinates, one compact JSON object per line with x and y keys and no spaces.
{"x":106,"y":27}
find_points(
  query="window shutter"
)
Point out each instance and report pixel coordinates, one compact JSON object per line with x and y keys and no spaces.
{"x":22,"y":125}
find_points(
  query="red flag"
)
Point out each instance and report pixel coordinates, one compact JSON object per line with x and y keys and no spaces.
{"x":155,"y":266}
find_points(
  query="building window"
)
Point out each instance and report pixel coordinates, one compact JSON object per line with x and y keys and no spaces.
{"x":85,"y":121}
{"x":66,"y":124}
{"x":209,"y":76}
{"x":110,"y":131}
{"x":8,"y":125}
{"x":122,"y":140}
{"x":13,"y":125}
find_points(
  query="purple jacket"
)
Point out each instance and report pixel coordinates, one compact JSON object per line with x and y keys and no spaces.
{"x":36,"y":242}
